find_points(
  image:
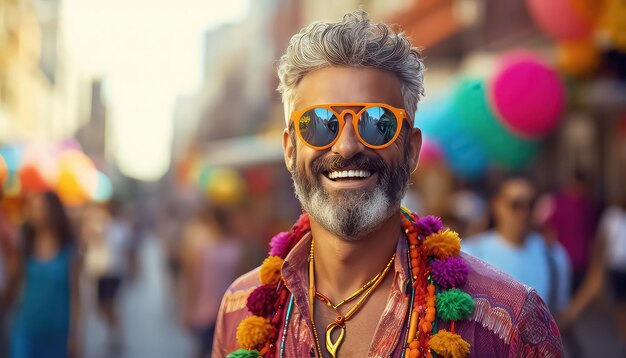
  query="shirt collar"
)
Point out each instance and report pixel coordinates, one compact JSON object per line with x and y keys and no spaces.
{"x":295,"y":268}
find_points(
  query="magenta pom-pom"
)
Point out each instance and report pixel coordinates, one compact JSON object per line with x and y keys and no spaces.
{"x":449,"y":273}
{"x":261,"y":300}
{"x":281,"y":244}
{"x":428,"y":225}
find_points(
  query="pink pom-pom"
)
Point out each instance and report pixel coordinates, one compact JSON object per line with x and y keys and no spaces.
{"x":281,"y":244}
{"x":302,"y":225}
{"x":449,"y":273}
{"x":429,"y":224}
{"x":261,"y":300}
{"x":300,"y":228}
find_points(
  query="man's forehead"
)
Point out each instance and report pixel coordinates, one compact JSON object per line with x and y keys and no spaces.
{"x":348,"y":84}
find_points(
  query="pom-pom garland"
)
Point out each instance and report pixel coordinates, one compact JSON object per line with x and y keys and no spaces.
{"x":449,"y":345}
{"x":281,"y":244}
{"x":441,"y":248}
{"x":454,"y":305}
{"x":269,"y":299}
{"x":261,"y":300}
{"x":433,"y":260}
{"x":449,"y":273}
{"x":269,"y":273}
{"x":429,"y":225}
{"x":253,"y":331}
{"x":443,"y":244}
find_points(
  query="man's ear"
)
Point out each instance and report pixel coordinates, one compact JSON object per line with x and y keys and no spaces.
{"x":415,"y":145}
{"x":289,"y":148}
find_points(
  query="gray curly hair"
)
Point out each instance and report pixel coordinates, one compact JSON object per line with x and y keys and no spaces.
{"x":354,"y":42}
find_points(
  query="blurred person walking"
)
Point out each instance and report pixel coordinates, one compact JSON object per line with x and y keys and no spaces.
{"x":8,"y":266}
{"x":47,"y":314}
{"x":516,"y":249}
{"x":608,"y":264}
{"x":210,"y":258}
{"x":613,"y":231}
{"x":572,"y":218}
{"x":108,"y":257}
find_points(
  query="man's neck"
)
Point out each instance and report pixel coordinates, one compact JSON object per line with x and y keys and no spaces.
{"x":342,"y":267}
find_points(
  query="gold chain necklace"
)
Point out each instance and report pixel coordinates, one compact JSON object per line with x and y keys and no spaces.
{"x":340,"y":321}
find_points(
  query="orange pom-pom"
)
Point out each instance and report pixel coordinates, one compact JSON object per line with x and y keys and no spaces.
{"x":443,"y":244}
{"x":449,"y":345}
{"x":269,"y":273}
{"x":253,"y":331}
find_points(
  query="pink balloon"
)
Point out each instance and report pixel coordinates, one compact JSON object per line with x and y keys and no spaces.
{"x":559,"y":19}
{"x":527,"y":94}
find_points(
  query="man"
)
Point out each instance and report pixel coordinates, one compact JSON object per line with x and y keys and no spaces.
{"x":356,"y":276}
{"x":513,"y":247}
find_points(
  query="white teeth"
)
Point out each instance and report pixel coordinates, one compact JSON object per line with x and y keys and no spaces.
{"x":349,"y":174}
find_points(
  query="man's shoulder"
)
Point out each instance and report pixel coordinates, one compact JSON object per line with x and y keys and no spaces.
{"x":232,"y":311}
{"x":508,"y":308}
{"x":237,"y":293}
{"x":487,"y":281}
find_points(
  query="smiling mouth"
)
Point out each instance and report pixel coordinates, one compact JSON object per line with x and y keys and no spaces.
{"x":339,"y":175}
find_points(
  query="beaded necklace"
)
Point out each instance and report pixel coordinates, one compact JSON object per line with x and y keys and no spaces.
{"x":436,"y":274}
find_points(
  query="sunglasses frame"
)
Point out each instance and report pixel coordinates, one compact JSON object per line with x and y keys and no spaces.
{"x":399,"y":113}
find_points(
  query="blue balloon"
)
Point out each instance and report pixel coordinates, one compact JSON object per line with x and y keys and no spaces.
{"x":12,"y":156}
{"x":104,"y":190}
{"x":464,"y":154}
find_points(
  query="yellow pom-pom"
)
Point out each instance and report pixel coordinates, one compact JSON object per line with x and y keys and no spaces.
{"x":449,"y":345}
{"x":443,"y":244}
{"x":253,"y":332}
{"x":270,"y":270}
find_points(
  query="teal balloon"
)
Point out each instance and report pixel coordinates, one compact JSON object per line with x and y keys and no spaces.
{"x":463,"y":152}
{"x":12,"y":156}
{"x":432,"y":116}
{"x":206,"y":175}
{"x":503,"y":147}
{"x":104,"y":190}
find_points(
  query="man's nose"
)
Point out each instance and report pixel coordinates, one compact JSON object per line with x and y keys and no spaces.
{"x":348,"y":144}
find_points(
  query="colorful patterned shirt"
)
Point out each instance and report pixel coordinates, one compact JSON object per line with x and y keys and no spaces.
{"x":509,"y":319}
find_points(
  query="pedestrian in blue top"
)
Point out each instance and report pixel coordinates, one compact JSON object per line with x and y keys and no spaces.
{"x":47,"y":296}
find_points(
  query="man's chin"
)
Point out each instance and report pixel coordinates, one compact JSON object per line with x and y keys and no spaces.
{"x":349,"y":214}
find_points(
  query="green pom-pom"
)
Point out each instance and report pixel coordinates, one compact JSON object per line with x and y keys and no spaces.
{"x":454,"y":305}
{"x":244,"y":353}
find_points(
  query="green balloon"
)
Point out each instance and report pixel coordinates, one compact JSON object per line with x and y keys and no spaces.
{"x":504,"y":148}
{"x":206,"y":174}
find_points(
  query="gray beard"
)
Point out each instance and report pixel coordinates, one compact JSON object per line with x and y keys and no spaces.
{"x":352,"y":214}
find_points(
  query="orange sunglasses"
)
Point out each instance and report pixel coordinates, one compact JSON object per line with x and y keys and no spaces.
{"x":376,"y":125}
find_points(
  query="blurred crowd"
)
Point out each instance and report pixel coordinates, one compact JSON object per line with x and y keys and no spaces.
{"x":46,"y":255}
{"x":564,"y":243}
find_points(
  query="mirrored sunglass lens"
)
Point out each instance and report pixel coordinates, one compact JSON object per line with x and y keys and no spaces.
{"x":318,"y":126}
{"x":377,"y":125}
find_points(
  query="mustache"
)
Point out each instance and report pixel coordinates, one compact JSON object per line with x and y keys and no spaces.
{"x":337,"y":162}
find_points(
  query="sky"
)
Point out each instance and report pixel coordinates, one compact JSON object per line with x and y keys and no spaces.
{"x":147,"y":52}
